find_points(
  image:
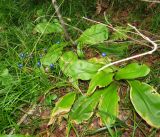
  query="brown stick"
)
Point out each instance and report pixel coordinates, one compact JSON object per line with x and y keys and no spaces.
{"x":54,"y":2}
{"x":23,"y":118}
{"x":151,"y":1}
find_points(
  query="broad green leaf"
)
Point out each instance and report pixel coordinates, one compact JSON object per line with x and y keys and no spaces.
{"x":63,"y":106}
{"x":101,"y":79}
{"x":108,"y":106}
{"x":77,"y":69}
{"x":6,"y":78}
{"x":118,"y":50}
{"x":53,"y":54}
{"x":75,"y":83}
{"x":66,"y":61}
{"x":80,"y":51}
{"x":120,"y":34}
{"x":102,"y":61}
{"x":84,"y":70}
{"x":132,"y":71}
{"x":50,"y":98}
{"x":96,"y":34}
{"x":84,"y":107}
{"x":48,"y":28}
{"x":146,"y":102}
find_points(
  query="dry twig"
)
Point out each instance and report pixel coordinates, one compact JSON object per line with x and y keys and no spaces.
{"x":23,"y":118}
{"x":155,"y":47}
{"x":54,"y":2}
{"x":136,"y":56}
{"x":152,"y":1}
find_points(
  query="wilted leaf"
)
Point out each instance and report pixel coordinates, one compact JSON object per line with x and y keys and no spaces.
{"x":48,"y":28}
{"x":101,"y":79}
{"x":108,"y":106}
{"x":132,"y":71}
{"x":53,"y":54}
{"x":63,"y":106}
{"x":96,"y":34}
{"x":84,"y":107}
{"x":146,"y":102}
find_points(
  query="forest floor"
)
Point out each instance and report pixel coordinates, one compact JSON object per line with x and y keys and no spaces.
{"x":25,"y":89}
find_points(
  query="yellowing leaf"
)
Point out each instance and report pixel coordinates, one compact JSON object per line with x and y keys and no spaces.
{"x":101,"y":79}
{"x":103,"y":60}
{"x":108,"y":106}
{"x":63,"y":106}
{"x":132,"y":71}
{"x":146,"y":102}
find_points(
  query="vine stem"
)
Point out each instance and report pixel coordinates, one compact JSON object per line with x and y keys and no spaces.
{"x":155,"y":46}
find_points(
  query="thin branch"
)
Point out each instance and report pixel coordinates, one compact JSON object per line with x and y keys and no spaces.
{"x":151,"y":1}
{"x":79,"y":30}
{"x":136,"y":56}
{"x":23,"y":118}
{"x":155,"y":46}
{"x":54,"y":2}
{"x":31,"y":111}
{"x":114,"y":29}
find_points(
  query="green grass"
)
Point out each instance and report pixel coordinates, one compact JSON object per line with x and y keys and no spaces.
{"x":28,"y":83}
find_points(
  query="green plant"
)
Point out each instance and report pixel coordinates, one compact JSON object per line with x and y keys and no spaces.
{"x":103,"y":87}
{"x":32,"y":74}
